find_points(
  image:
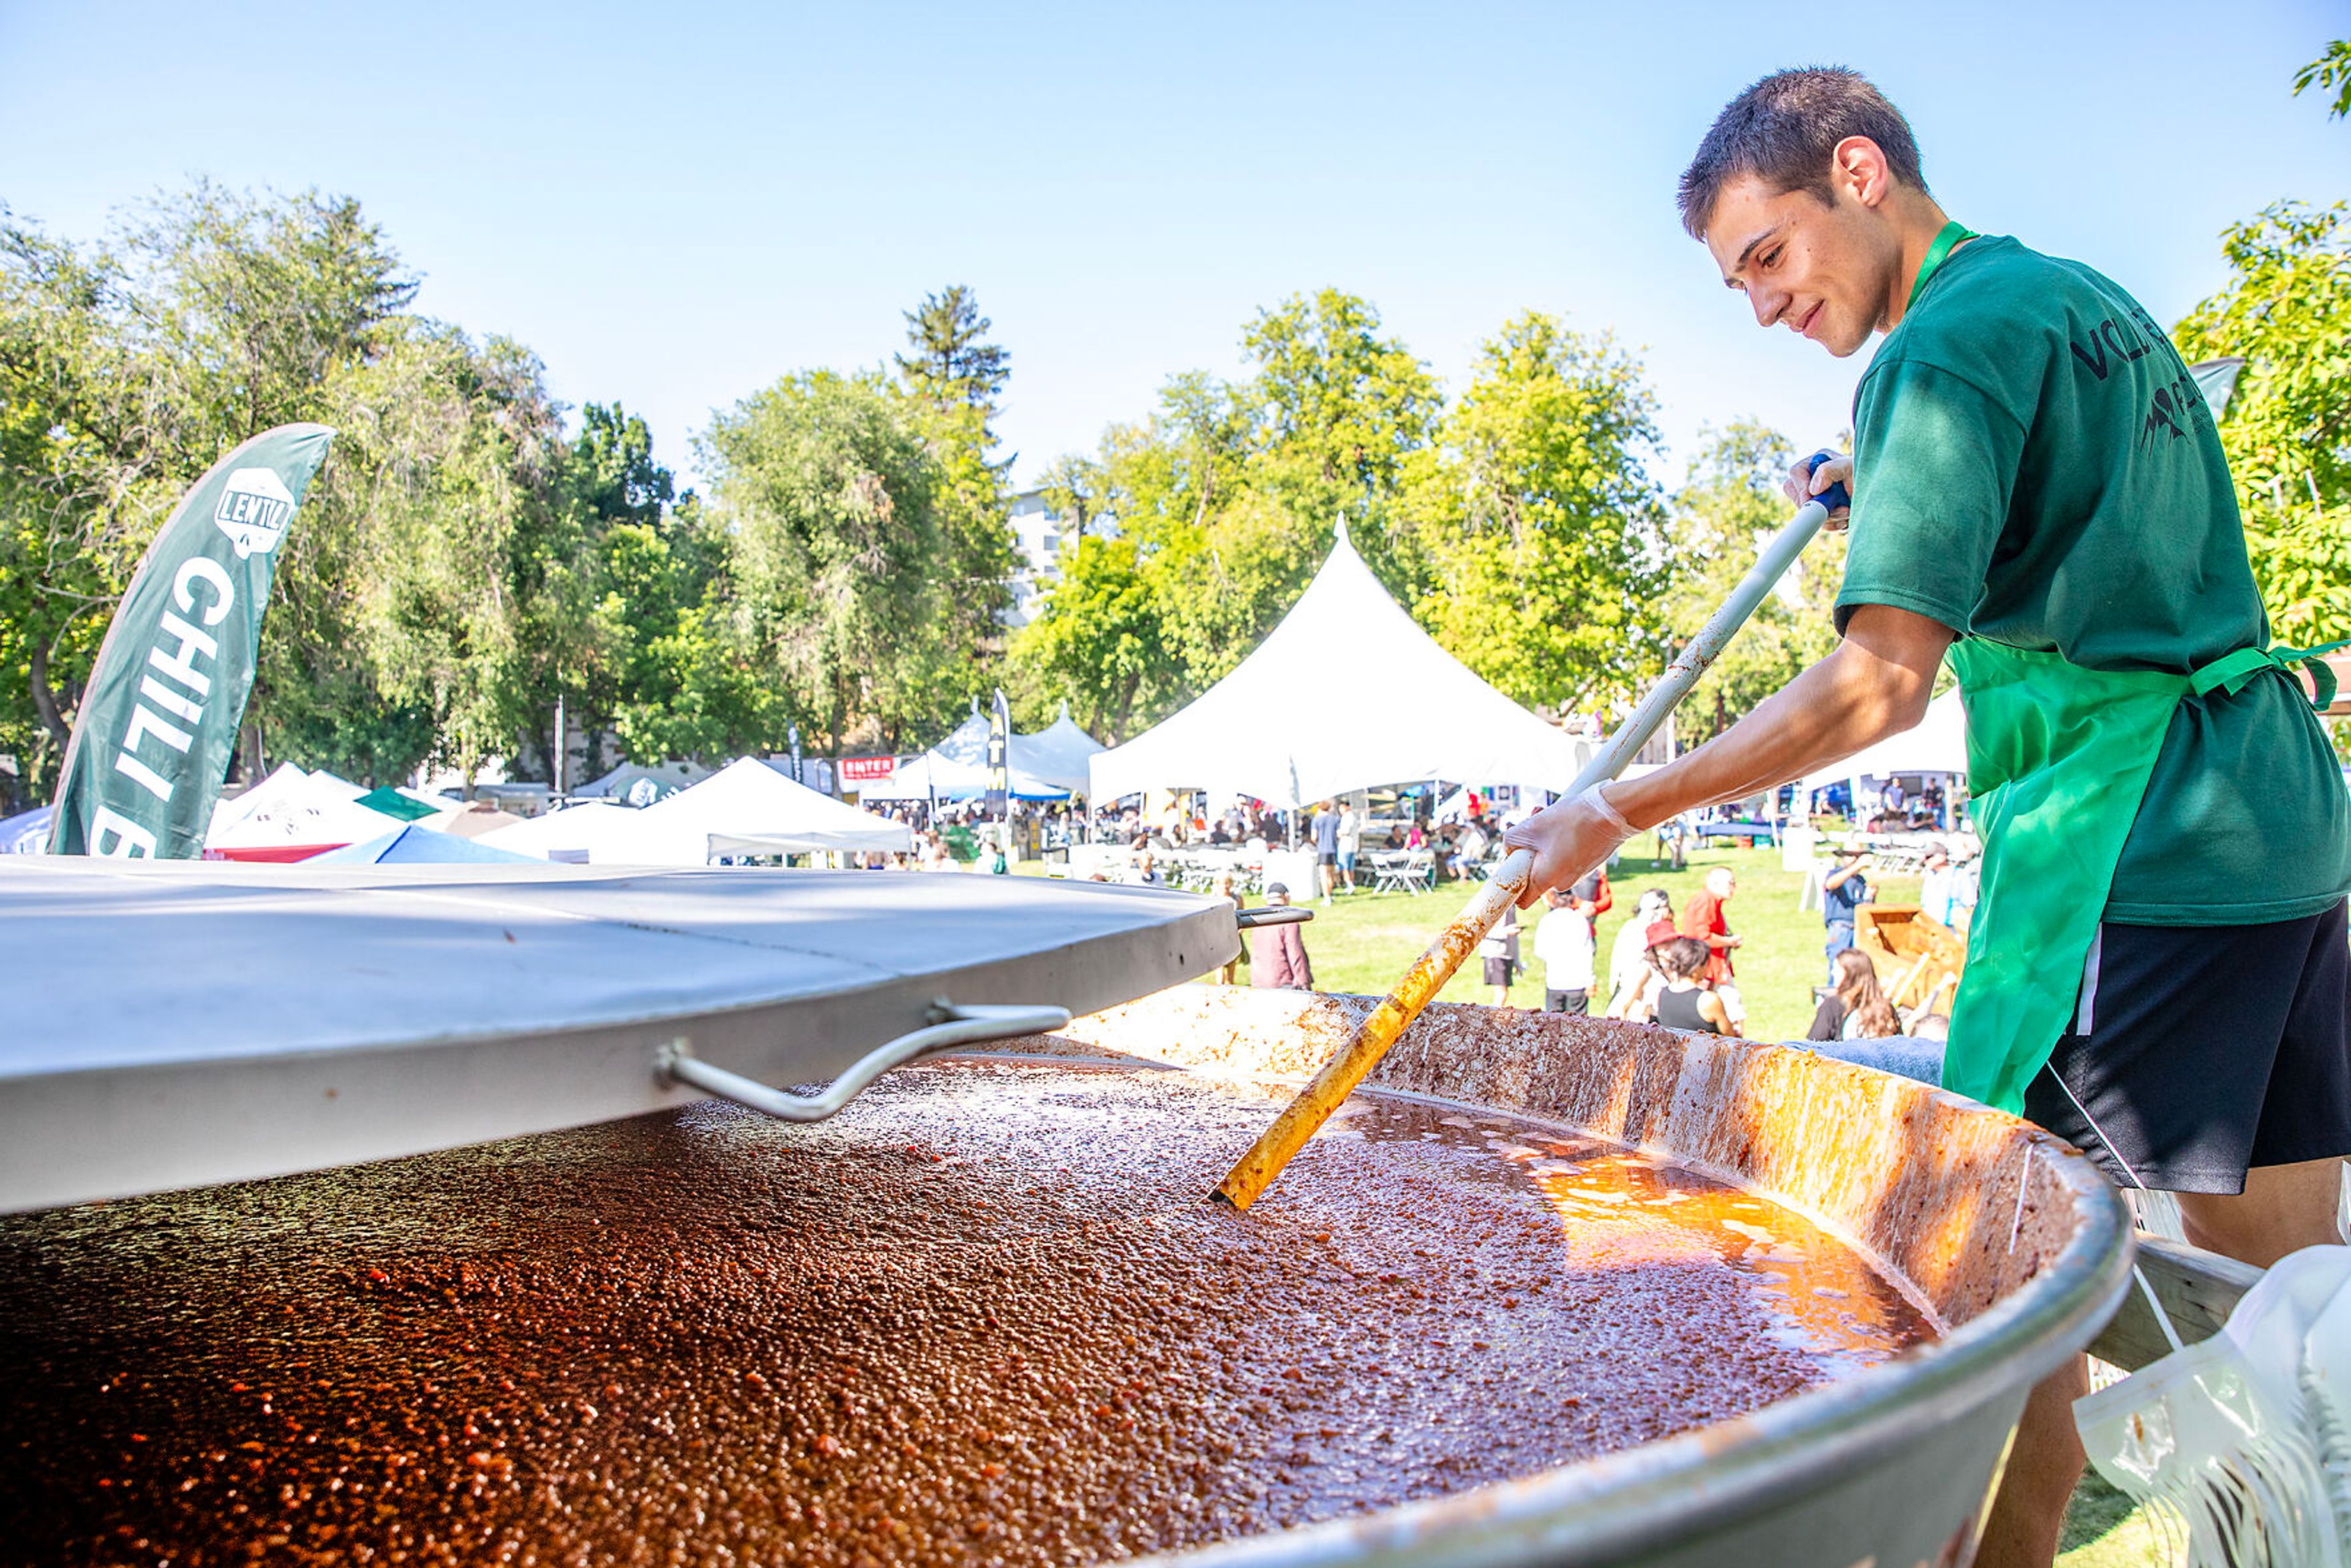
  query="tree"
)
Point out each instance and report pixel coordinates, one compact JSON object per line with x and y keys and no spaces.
{"x":130,"y":370}
{"x":1339,"y":411}
{"x":1542,"y":520}
{"x":1076,"y":489}
{"x":1730,"y":505}
{"x":2330,"y":71}
{"x":443,"y":497}
{"x":61,"y":552}
{"x":951,"y":379}
{"x":1225,"y":499}
{"x":2287,"y":428}
{"x":952,"y":362}
{"x":627,"y":581}
{"x":1099,"y":640}
{"x":848,"y":585}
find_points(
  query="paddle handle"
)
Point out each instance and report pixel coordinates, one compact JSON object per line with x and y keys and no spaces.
{"x":1304,"y":1115}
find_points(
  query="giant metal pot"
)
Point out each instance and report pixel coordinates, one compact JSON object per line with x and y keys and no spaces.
{"x":2019,"y":1247}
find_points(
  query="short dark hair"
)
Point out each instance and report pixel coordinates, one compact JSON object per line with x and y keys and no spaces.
{"x":1785,"y":129}
{"x":1681,"y":957}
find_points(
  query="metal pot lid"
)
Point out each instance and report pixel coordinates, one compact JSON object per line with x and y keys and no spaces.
{"x":178,"y":1023}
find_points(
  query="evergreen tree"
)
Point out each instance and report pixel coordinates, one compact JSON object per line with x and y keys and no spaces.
{"x":952,"y":364}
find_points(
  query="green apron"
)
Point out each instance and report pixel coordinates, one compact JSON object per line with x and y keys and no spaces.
{"x":2058,"y":762}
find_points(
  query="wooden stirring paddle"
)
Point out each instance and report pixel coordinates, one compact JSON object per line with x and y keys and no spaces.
{"x":1304,"y":1115}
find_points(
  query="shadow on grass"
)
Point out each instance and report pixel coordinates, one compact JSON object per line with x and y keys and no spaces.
{"x":2103,"y":1530}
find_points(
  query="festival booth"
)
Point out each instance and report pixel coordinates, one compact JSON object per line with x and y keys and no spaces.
{"x":1937,"y":747}
{"x":1348,"y":693}
{"x":417,"y":844}
{"x":641,"y":784}
{"x":1058,"y":755}
{"x":292,"y":815}
{"x":590,"y":830}
{"x":28,"y":832}
{"x":957,"y":767}
{"x":748,"y":809}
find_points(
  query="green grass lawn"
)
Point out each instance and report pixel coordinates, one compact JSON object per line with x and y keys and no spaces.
{"x":1365,"y":941}
{"x":2103,"y":1531}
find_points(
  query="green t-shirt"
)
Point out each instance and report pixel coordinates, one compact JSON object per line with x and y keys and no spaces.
{"x":2033,"y":464}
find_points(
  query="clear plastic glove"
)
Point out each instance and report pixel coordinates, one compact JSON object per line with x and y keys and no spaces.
{"x":1569,"y":840}
{"x":1805,"y":481}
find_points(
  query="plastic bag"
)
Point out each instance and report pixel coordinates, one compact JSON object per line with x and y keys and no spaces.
{"x":2243,"y":1442}
{"x":2197,"y":1441}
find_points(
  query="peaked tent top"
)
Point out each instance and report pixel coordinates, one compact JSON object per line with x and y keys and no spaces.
{"x":748,"y":808}
{"x":1347,"y":693}
{"x":28,"y":832}
{"x":967,"y":742}
{"x":666,"y":778}
{"x":1058,"y":754}
{"x":957,"y":767}
{"x":416,"y":844}
{"x":590,"y":830}
{"x":291,"y":808}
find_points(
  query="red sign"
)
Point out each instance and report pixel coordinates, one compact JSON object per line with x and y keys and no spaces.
{"x":866,"y":770}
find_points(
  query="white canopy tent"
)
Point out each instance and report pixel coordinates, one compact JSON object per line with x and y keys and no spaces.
{"x":1938,"y":743}
{"x":292,"y":809}
{"x":661,"y":778}
{"x":747,"y":808}
{"x":1347,"y":693}
{"x":956,"y":768}
{"x":929,"y":776}
{"x":1058,"y":754}
{"x":575,"y":833}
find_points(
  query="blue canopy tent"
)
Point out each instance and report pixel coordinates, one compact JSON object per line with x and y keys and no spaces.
{"x":414,"y":845}
{"x":28,"y":832}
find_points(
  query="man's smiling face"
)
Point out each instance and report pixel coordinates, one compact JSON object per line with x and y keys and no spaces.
{"x":1824,"y":270}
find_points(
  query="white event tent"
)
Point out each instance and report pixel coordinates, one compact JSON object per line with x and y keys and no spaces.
{"x":747,"y":808}
{"x":956,"y":768}
{"x":291,"y":810}
{"x":661,"y":778}
{"x":1937,"y":744}
{"x":576,"y":833}
{"x":1347,"y":693}
{"x":1057,"y":755}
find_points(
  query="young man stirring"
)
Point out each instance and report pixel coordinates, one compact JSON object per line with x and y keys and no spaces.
{"x":2040,"y":496}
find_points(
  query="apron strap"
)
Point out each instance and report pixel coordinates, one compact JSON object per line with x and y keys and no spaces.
{"x":2230,"y":673}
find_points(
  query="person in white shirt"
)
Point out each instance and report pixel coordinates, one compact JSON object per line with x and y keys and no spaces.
{"x":1935,"y":885}
{"x":1563,"y":941}
{"x":1469,"y":850}
{"x":1351,"y":844}
{"x":1628,"y":959}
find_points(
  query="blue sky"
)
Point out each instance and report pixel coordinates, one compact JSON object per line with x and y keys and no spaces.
{"x":675,"y":204}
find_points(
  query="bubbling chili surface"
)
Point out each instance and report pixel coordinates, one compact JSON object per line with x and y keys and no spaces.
{"x":985,"y":1315}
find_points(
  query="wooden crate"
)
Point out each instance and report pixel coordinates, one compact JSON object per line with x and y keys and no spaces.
{"x":1918,"y":958}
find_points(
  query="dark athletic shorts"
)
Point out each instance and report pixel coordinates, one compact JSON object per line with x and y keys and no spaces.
{"x":1567,"y":1001}
{"x":2211,"y":1050}
{"x":1332,"y":858}
{"x":1498,"y":971}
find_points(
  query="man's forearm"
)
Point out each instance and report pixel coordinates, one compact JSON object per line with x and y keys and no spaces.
{"x":1874,"y":683}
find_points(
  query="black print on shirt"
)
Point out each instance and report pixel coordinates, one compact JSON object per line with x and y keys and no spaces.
{"x":2113,"y":344}
{"x":2177,"y":406}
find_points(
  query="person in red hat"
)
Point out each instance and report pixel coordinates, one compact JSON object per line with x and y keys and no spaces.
{"x":1638,"y":999}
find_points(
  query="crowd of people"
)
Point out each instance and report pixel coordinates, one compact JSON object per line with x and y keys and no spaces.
{"x":1677,"y":969}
